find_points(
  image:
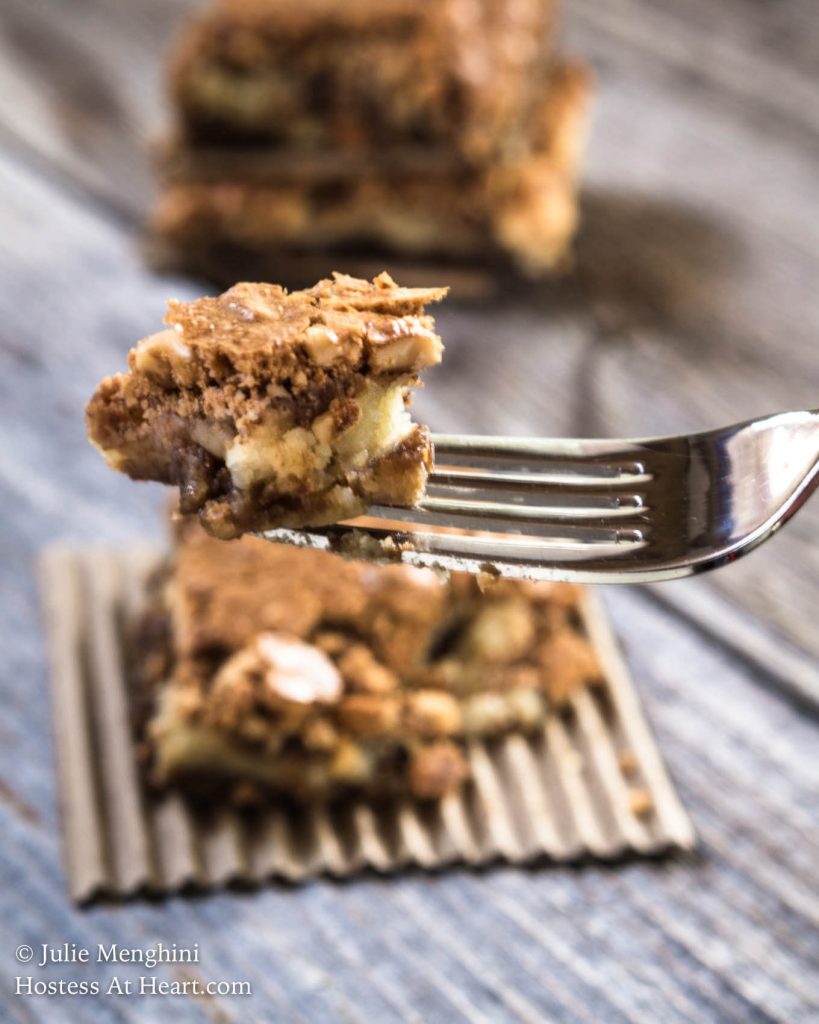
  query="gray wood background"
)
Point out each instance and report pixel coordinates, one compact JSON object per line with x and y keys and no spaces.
{"x":694,"y":301}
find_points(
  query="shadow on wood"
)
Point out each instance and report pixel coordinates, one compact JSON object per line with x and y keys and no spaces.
{"x":641,"y":262}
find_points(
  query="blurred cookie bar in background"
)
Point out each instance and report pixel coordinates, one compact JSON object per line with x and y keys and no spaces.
{"x":318,"y":74}
{"x":418,"y":133}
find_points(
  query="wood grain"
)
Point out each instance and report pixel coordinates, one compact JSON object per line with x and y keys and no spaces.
{"x":692,"y":302}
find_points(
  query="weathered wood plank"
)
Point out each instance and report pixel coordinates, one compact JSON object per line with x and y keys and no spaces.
{"x":81,"y":90}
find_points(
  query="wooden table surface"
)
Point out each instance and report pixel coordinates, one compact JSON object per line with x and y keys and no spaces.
{"x":694,"y":301}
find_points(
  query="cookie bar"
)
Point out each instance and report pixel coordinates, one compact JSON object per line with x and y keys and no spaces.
{"x":268,"y":408}
{"x":318,"y":74}
{"x":261,"y":667}
{"x":520,"y":207}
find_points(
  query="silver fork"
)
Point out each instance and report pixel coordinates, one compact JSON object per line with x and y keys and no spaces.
{"x":591,"y":511}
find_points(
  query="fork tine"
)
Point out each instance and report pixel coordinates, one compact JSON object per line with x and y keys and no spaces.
{"x":549,"y":557}
{"x":463,"y":550}
{"x":599,"y":498}
{"x":536,"y":527}
{"x":591,"y":475}
{"x":604,"y":507}
{"x":560,"y":452}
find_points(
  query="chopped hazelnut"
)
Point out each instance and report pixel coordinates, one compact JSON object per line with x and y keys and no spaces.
{"x":502,"y":631}
{"x":275,"y":674}
{"x":526,"y":707}
{"x":486,"y":713}
{"x":295,"y":671}
{"x":432,"y":713}
{"x":363,"y":673}
{"x":568,"y":661}
{"x":162,"y":357}
{"x":384,"y":281}
{"x":487,"y":578}
{"x":446,"y":674}
{"x":319,"y":735}
{"x":436,"y":769}
{"x":349,"y":763}
{"x":367,"y":714}
{"x":325,"y":347}
{"x":407,"y":345}
{"x":331,"y":642}
{"x":253,"y":728}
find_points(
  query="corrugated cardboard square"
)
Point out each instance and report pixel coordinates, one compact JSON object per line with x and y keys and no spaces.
{"x":592,"y":784}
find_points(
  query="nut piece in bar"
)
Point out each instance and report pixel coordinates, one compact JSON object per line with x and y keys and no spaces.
{"x":268,"y":408}
{"x":261,"y":668}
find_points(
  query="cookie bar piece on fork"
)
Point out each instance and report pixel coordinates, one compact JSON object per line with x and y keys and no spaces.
{"x":274,"y":409}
